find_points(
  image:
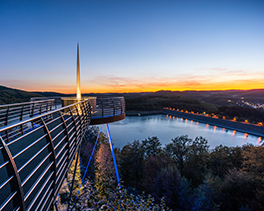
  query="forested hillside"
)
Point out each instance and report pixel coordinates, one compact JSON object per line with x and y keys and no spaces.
{"x":219,"y":105}
{"x":158,"y":100}
{"x":184,"y":175}
{"x":9,"y":95}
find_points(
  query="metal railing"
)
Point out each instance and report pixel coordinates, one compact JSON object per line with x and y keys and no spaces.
{"x":19,"y":111}
{"x":35,"y":155}
{"x":57,"y":103}
{"x":103,"y":107}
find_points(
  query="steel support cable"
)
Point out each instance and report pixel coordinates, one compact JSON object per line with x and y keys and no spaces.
{"x":13,"y":171}
{"x":97,"y":138}
{"x":113,"y":155}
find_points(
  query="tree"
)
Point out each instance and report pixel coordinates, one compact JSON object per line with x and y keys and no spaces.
{"x":105,"y":174}
{"x":152,"y":146}
{"x":205,"y":196}
{"x":240,"y":190}
{"x":178,"y":150}
{"x":223,"y":159}
{"x":195,"y":165}
{"x":190,"y":156}
{"x":169,"y":185}
{"x":131,"y":163}
{"x":253,"y":161}
{"x":152,"y":166}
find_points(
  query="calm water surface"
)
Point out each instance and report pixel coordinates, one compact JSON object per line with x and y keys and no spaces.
{"x":165,"y":128}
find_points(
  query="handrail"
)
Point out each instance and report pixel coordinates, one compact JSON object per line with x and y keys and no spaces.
{"x":37,"y":117}
{"x":25,"y":103}
{"x":16,"y":112}
{"x":40,"y":151}
{"x":106,"y":107}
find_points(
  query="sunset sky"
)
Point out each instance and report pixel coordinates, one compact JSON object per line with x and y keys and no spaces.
{"x":132,"y":45}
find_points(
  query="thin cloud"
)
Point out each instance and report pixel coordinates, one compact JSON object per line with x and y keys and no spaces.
{"x":213,"y":69}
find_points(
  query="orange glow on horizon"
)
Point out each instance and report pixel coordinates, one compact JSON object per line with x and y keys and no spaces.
{"x":156,"y":86}
{"x":137,"y":87}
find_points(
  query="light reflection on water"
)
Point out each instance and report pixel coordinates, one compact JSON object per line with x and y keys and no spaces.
{"x":166,"y":127}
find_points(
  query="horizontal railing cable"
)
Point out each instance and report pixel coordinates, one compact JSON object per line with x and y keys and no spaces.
{"x":15,"y":112}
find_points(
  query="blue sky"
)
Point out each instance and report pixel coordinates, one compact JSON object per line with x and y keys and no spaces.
{"x":132,"y":45}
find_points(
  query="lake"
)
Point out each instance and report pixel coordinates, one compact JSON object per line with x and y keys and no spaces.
{"x":166,"y":127}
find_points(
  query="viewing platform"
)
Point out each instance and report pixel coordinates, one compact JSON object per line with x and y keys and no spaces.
{"x":38,"y":142}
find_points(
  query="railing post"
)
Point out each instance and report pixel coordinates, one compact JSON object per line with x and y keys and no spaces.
{"x":75,"y":128}
{"x":102,"y":107}
{"x":121,"y":103}
{"x":113,"y":107}
{"x":40,"y":109}
{"x":51,"y":104}
{"x":33,"y":107}
{"x":7,"y":112}
{"x":12,"y":171}
{"x":7,"y":135}
{"x":80,"y":125}
{"x":84,"y":118}
{"x":22,"y":111}
{"x":67,"y":134}
{"x":21,"y":118}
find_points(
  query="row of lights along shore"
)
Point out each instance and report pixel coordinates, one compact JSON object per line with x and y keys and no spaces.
{"x":207,"y":125}
{"x":212,"y":116}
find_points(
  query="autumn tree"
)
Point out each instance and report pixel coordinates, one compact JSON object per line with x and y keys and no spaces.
{"x":253,"y":161}
{"x":105,"y":174}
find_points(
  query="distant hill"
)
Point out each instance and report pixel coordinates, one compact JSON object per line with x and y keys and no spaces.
{"x":217,"y":98}
{"x":52,"y":94}
{"x":221,"y":98}
{"x":9,"y":95}
{"x":160,"y":99}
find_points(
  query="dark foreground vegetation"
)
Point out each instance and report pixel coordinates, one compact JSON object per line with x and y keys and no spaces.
{"x":183,"y":175}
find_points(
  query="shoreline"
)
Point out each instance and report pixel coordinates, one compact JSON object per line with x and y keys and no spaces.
{"x":227,"y":124}
{"x":143,"y":113}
